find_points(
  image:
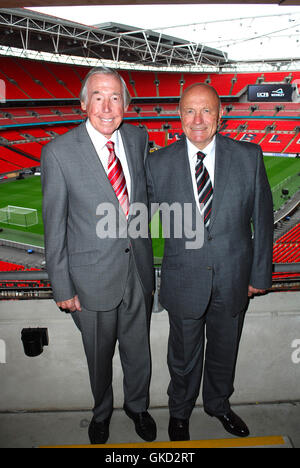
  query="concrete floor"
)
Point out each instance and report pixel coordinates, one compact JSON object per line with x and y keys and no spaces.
{"x":35,"y":429}
{"x":56,"y":382}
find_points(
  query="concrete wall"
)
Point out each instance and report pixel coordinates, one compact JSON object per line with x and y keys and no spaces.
{"x":268,"y":367}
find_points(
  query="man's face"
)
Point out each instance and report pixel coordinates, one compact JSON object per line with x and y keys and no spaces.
{"x":105,"y":104}
{"x":200,"y":115}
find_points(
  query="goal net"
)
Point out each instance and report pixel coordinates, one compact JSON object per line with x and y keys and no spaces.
{"x":19,"y":216}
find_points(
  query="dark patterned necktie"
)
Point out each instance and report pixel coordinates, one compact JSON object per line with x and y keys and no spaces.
{"x":205,"y":188}
{"x":117,"y":178}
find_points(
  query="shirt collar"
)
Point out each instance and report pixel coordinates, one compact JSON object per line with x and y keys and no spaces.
{"x":97,"y":136}
{"x":193,"y":150}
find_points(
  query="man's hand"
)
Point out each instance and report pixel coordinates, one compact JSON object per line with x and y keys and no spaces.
{"x":70,"y":305}
{"x":252,"y":291}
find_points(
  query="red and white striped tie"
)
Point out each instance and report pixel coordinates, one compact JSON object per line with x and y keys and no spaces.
{"x":117,"y":178}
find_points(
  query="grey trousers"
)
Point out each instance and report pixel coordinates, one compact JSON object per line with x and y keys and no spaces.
{"x":128,"y":324}
{"x":189,"y":352}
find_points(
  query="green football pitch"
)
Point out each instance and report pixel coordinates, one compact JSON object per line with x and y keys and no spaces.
{"x":27,"y":193}
{"x":280,"y":169}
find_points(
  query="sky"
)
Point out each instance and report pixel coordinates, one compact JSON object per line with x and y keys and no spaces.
{"x":237,"y":30}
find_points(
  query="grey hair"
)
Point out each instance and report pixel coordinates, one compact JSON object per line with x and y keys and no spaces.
{"x":103,"y":71}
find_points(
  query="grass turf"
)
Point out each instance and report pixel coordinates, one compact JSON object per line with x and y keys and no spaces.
{"x":279,"y":169}
{"x":27,"y":193}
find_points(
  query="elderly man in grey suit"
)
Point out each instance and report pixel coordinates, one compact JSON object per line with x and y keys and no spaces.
{"x":207,"y":288}
{"x":105,"y":280}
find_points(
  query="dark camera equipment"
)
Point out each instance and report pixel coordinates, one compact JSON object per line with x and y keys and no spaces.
{"x":34,"y":339}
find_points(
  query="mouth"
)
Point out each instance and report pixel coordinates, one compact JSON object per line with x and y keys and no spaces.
{"x":106,"y":120}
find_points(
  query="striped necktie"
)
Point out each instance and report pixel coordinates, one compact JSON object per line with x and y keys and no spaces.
{"x":116,"y":177}
{"x":205,"y":188}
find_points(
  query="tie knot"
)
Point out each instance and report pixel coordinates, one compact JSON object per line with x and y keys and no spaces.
{"x":201,"y":156}
{"x":110,"y":145}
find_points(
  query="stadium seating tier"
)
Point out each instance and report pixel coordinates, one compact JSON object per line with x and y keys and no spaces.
{"x":36,"y":125}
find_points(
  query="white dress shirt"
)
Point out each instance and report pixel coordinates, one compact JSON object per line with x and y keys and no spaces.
{"x":99,"y":141}
{"x":209,"y":162}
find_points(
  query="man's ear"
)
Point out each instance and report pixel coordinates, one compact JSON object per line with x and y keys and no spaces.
{"x":220,"y":115}
{"x":83,"y":106}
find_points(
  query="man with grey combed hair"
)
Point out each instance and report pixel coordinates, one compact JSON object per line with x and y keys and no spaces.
{"x":105,"y":283}
{"x":104,"y":71}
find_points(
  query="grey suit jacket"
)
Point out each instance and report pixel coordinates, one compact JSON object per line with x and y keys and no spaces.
{"x":230,"y":258}
{"x":74,"y":184}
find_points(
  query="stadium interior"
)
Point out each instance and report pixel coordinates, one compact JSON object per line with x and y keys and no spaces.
{"x":42,"y":103}
{"x":38,"y":102}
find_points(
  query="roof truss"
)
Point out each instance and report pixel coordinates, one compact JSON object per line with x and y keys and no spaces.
{"x":34,"y":31}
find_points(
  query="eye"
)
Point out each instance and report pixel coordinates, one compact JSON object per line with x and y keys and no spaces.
{"x":116,"y":98}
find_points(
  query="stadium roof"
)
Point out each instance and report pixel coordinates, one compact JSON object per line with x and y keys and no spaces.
{"x":29,"y":30}
{"x":39,"y":36}
{"x":43,"y":3}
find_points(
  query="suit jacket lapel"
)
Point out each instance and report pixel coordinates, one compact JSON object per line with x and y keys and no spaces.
{"x":88,"y":152}
{"x":183,"y":172}
{"x":130,"y":150}
{"x":222,"y":166}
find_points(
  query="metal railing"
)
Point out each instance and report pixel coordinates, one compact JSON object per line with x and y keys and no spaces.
{"x":286,"y":268}
{"x":25,"y":285}
{"x":22,"y":285}
{"x":42,"y":275}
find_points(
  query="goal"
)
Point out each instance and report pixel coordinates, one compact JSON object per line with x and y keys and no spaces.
{"x":19,"y":216}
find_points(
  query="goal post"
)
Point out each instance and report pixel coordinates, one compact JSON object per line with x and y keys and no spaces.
{"x":19,"y":216}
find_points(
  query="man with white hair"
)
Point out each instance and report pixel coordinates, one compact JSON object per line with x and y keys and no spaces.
{"x":105,"y":282}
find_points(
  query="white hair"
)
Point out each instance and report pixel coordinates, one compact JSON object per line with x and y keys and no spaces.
{"x":103,"y":71}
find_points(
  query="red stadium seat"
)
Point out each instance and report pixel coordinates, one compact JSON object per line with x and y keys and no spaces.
{"x":169,"y":84}
{"x":287,"y":247}
{"x":30,"y":80}
{"x":8,"y":266}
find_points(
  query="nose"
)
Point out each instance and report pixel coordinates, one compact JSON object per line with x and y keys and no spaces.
{"x":106,"y":107}
{"x":198,"y":118}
